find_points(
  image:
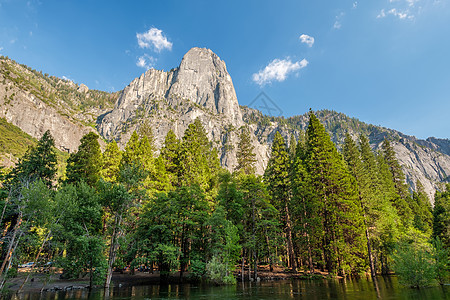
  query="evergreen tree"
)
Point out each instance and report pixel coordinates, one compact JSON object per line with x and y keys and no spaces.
{"x":112,"y":157}
{"x":145,"y":130}
{"x":382,"y":218}
{"x":422,"y":210}
{"x":170,"y":153}
{"x":39,"y":162}
{"x":277,"y":179}
{"x":260,"y":223}
{"x":304,"y":208}
{"x":337,"y":200}
{"x":441,"y":216}
{"x":396,"y":170}
{"x":86,"y":163}
{"x":400,"y":195}
{"x":199,"y":162}
{"x":245,"y":155}
{"x":131,"y":153}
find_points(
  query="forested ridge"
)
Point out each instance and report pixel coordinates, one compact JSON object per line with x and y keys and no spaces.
{"x":315,"y":208}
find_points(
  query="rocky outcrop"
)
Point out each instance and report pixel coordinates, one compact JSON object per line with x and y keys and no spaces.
{"x":199,"y":88}
{"x":29,"y":108}
{"x":35,"y":117}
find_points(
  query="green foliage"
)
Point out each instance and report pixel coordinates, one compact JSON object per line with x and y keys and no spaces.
{"x":245,"y":155}
{"x":13,"y":140}
{"x":442,"y":260}
{"x":216,"y":272}
{"x":199,"y":162}
{"x":112,"y":157}
{"x":421,"y":210}
{"x":38,"y":163}
{"x":80,"y":228}
{"x":414,"y":265}
{"x":441,"y":216}
{"x":336,"y":198}
{"x":85,"y":165}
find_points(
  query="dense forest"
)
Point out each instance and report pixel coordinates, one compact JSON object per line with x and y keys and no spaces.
{"x":347,"y":213}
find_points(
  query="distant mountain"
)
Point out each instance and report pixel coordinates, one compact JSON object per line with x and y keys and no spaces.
{"x":199,"y":88}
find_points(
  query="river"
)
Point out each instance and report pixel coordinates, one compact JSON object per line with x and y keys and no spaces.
{"x":286,"y":289}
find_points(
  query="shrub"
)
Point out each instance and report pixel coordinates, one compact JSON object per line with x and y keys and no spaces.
{"x":414,"y":265}
{"x":217,"y":271}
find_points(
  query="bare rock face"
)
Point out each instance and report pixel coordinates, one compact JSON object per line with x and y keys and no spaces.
{"x":199,"y":88}
{"x":83,"y":88}
{"x":28,"y":100}
{"x":424,"y":164}
{"x":34,"y":116}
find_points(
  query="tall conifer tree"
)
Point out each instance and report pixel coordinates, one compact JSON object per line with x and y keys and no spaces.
{"x":86,"y":163}
{"x":245,"y":155}
{"x":277,"y":179}
{"x":337,"y":201}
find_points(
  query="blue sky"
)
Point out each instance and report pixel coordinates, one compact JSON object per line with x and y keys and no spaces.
{"x":385,"y":62}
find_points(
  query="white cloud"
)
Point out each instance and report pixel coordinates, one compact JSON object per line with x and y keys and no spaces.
{"x":278,"y":70}
{"x":146,"y":61}
{"x":402,"y":9}
{"x":1,"y":48}
{"x":382,"y":14}
{"x":306,"y":39}
{"x":155,"y":38}
{"x":355,"y":5}
{"x":337,"y":23}
{"x":401,"y":14}
{"x":398,"y":13}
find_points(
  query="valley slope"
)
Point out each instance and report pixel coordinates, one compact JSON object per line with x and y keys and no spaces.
{"x":199,"y":88}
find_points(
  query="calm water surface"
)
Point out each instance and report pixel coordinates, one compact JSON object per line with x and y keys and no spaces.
{"x":286,"y":289}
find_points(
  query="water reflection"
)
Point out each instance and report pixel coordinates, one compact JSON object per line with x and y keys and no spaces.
{"x":290,"y":289}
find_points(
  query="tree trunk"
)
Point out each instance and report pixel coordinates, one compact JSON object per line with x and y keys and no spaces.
{"x":288,"y":231}
{"x":35,"y":261}
{"x":113,"y":249}
{"x":9,"y":262}
{"x":10,"y":251}
{"x":268,"y":251}
{"x":243,"y":266}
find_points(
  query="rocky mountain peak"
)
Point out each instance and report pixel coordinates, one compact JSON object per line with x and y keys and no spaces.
{"x":202,"y":77}
{"x":200,"y":87}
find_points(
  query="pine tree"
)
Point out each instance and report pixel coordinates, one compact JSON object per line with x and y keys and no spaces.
{"x":170,"y":156}
{"x":422,"y":210}
{"x":337,"y":199}
{"x":277,"y":178}
{"x":441,"y":216}
{"x":245,"y":155}
{"x":396,"y":170}
{"x":400,"y":195}
{"x":112,"y":157}
{"x":132,"y":151}
{"x":145,"y":130}
{"x":39,"y":162}
{"x":199,"y":162}
{"x":86,"y":163}
{"x":366,"y":194}
{"x":304,"y":208}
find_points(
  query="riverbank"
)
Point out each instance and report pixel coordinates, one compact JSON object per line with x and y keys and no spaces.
{"x":51,"y":282}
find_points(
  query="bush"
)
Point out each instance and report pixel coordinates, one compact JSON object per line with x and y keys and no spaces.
{"x":217,"y":272}
{"x":441,"y":256}
{"x":197,"y":269}
{"x":414,"y":264}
